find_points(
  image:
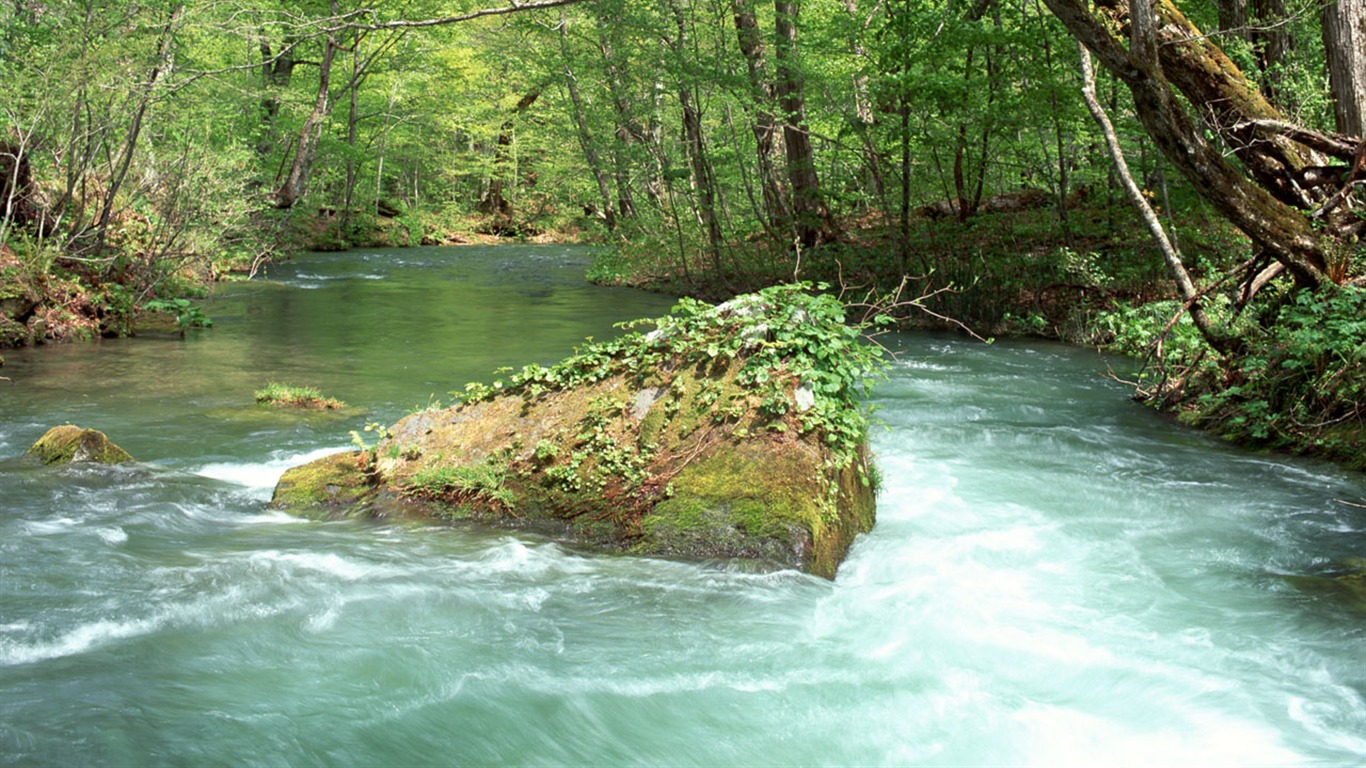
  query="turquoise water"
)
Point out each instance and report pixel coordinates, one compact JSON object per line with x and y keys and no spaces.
{"x":1057,"y":576}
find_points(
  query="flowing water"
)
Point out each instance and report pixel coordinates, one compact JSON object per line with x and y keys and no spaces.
{"x":1057,"y":576}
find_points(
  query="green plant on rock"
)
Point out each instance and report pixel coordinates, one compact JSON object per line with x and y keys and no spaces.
{"x":288,"y":395}
{"x":485,"y":480}
{"x":187,"y":313}
{"x":790,"y":337}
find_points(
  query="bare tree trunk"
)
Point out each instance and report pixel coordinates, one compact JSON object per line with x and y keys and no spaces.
{"x":296,"y":183}
{"x":810,"y":218}
{"x":590,"y":152}
{"x":130,"y":141}
{"x":352,"y":126}
{"x":863,"y":110}
{"x":1170,"y":256}
{"x":693,"y":141}
{"x":762,"y":124}
{"x":494,"y":202}
{"x":277,"y":69}
{"x":1344,"y":42}
{"x":1208,"y":79}
{"x":627,"y":129}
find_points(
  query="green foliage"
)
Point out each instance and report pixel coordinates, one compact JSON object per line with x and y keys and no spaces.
{"x":485,"y":480}
{"x":187,"y":313}
{"x":1136,"y":329}
{"x":791,"y":339}
{"x":1301,"y":384}
{"x":381,"y":431}
{"x":278,"y":394}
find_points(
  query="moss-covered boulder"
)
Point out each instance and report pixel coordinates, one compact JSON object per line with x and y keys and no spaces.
{"x":73,"y":445}
{"x":729,"y":431}
{"x":333,"y":486}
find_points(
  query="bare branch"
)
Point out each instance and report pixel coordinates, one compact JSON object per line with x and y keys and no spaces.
{"x":512,"y":7}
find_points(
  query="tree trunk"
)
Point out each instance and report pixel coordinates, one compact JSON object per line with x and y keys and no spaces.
{"x":352,"y":127}
{"x":276,"y":72}
{"x":863,"y":110}
{"x":694,"y":143}
{"x":1209,"y":80}
{"x":590,"y":152}
{"x":296,"y":183}
{"x":810,"y":218}
{"x":762,"y":123}
{"x":1344,"y":42}
{"x":130,"y":141}
{"x":626,"y":130}
{"x":1175,"y":267}
{"x":494,"y":202}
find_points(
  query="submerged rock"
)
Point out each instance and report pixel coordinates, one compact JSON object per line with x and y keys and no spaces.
{"x":690,"y":441}
{"x":73,"y":445}
{"x":1345,"y":581}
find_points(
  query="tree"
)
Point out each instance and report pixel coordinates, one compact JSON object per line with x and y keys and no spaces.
{"x":811,"y":220}
{"x":1273,"y":195}
{"x":1344,"y":29}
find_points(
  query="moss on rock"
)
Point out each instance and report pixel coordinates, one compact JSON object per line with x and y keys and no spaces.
{"x":332,"y":486}
{"x":73,"y":445}
{"x":689,"y":441}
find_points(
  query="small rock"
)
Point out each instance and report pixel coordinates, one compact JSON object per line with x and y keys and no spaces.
{"x":70,"y":444}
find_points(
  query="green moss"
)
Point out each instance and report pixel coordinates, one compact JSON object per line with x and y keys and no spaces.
{"x":680,"y":443}
{"x":71,"y":444}
{"x":333,"y":486}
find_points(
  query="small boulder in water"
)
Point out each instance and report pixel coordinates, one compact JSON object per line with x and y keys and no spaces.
{"x":332,"y":486}
{"x":70,"y":444}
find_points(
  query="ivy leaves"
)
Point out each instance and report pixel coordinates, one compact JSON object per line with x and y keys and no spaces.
{"x":790,"y":336}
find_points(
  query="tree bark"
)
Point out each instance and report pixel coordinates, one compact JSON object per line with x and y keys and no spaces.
{"x":1344,"y":42}
{"x":494,"y":202}
{"x":1170,"y":256}
{"x":296,"y":182}
{"x":627,"y":128}
{"x":763,"y":124}
{"x":1210,"y":81}
{"x":590,"y":152}
{"x":277,"y":69}
{"x":130,"y":141}
{"x":811,"y":220}
{"x":695,"y":145}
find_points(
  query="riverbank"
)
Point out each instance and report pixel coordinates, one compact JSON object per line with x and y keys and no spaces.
{"x":1092,"y":278}
{"x":1294,"y":383}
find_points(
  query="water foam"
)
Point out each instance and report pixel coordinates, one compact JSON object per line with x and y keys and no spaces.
{"x":264,"y":475}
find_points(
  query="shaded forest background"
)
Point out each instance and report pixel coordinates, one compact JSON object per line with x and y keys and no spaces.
{"x":940,"y":149}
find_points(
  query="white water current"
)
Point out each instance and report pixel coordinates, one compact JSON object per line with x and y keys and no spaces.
{"x":1057,"y":577}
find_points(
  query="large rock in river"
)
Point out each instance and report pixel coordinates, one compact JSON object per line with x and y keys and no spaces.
{"x":733,"y":431}
{"x":70,"y":444}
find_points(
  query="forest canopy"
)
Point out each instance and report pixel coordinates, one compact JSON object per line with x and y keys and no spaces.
{"x":718,"y":145}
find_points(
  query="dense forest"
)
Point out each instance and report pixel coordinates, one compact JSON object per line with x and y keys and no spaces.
{"x":1191,"y":197}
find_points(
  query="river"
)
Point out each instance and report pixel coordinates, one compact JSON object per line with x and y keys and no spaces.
{"x":1057,"y":576}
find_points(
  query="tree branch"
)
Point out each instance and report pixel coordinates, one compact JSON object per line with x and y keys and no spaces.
{"x":513,"y":7}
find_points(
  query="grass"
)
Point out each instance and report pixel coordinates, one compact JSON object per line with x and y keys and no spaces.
{"x":289,"y":396}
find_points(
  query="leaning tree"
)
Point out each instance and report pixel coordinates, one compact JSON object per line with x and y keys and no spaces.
{"x":1287,"y":186}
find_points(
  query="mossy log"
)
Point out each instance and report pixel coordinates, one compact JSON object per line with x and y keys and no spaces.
{"x":73,"y":445}
{"x":729,"y":432}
